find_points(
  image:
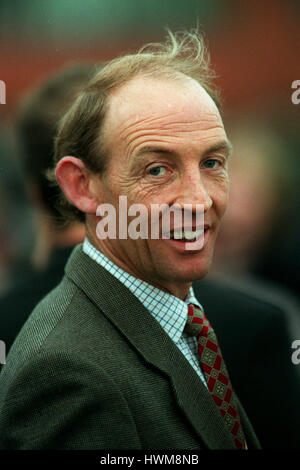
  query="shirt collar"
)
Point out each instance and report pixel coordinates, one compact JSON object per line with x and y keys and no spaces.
{"x":168,"y":310}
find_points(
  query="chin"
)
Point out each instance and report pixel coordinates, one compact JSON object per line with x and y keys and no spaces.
{"x":194,"y":275}
{"x":187,"y":273}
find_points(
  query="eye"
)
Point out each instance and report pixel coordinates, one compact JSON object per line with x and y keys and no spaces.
{"x":157,"y":171}
{"x":211,"y":163}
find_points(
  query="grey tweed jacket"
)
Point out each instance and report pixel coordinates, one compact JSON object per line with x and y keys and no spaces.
{"x":92,"y":369}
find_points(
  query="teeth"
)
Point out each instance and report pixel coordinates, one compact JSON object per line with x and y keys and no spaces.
{"x":177,"y":235}
{"x":187,"y":234}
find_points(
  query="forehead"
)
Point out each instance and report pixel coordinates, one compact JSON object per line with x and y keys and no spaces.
{"x":150,"y":108}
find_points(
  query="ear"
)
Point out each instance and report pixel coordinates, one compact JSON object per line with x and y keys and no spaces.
{"x":74,"y":180}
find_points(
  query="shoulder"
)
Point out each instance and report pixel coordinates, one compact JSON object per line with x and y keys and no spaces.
{"x":32,"y":285}
{"x":47,"y":318}
{"x":247,"y":307}
{"x":62,"y":388}
{"x":256,"y":326}
{"x":250,"y":296}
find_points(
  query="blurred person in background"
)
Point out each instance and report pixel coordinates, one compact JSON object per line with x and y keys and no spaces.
{"x":5,"y":255}
{"x":259,"y":238}
{"x":36,"y":125}
{"x":8,"y":188}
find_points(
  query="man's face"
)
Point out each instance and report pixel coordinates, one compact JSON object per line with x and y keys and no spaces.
{"x":167,"y":144}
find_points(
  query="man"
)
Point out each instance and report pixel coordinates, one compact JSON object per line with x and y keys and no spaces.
{"x":36,"y":125}
{"x":120,"y":355}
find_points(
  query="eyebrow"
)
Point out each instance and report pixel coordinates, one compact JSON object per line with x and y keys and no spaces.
{"x":224,"y":145}
{"x":159,"y":150}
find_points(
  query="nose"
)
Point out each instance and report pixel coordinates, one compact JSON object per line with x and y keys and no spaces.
{"x":193,"y":191}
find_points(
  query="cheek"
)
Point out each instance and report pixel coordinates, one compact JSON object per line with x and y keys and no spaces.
{"x":136,"y":190}
{"x":223,"y":197}
{"x":218,"y":189}
{"x":118,"y":184}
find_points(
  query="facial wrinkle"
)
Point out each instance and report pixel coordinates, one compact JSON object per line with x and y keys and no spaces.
{"x":149,"y":136}
{"x":167,"y":124}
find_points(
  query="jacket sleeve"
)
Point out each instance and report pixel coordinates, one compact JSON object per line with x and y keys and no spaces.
{"x":57,"y":402}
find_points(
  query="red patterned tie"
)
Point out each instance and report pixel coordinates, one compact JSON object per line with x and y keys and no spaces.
{"x":215,"y":371}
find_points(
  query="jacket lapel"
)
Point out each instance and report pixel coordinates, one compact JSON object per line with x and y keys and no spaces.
{"x":128,"y":314}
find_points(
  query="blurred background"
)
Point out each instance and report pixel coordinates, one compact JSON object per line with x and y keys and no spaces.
{"x":255,"y":51}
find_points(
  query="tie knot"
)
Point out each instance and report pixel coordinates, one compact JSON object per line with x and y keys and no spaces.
{"x":196,"y":321}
